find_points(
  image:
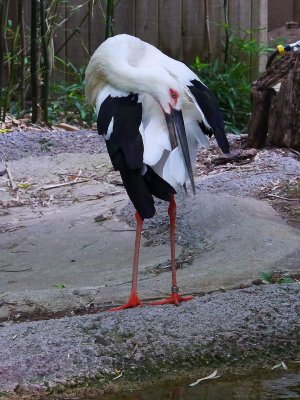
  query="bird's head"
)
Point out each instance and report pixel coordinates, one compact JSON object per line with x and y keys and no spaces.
{"x":168,"y":92}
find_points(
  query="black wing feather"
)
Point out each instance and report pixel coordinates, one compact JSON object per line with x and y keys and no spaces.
{"x":125,"y":148}
{"x":209,"y":105}
{"x":127,"y":114}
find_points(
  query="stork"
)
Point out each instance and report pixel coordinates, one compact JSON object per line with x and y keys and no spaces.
{"x":153,"y":111}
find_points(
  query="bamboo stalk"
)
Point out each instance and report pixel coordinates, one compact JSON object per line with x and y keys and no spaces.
{"x":2,"y":28}
{"x":34,"y":60}
{"x":45,"y":62}
{"x":22,"y":53}
{"x":109,"y":19}
{"x":226,"y":53}
{"x":12,"y":72}
{"x":207,"y":29}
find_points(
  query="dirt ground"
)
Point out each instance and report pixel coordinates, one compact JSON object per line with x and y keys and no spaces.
{"x":61,"y":207}
{"x":272,"y":175}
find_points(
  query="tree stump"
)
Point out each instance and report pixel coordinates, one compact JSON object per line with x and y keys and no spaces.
{"x":276,"y":114}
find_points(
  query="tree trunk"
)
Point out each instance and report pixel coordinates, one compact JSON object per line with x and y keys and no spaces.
{"x":276,"y":115}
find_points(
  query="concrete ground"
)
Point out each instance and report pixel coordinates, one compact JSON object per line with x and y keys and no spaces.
{"x":54,"y":247}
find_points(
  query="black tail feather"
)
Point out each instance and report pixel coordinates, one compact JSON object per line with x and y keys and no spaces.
{"x":157,"y":185}
{"x":135,"y":186}
{"x":209,"y":106}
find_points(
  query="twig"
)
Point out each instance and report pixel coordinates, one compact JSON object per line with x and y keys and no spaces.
{"x":118,"y":377}
{"x":78,"y":175}
{"x":294,"y":151}
{"x":10,"y":177}
{"x":118,"y":230}
{"x":101,"y":148}
{"x":16,"y":270}
{"x":113,"y":193}
{"x":12,"y":183}
{"x":281,"y":197}
{"x":57,"y":185}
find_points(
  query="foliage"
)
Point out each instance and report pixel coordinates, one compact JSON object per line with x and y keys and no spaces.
{"x":230,"y":80}
{"x":68,"y":101}
{"x":268,"y":277}
{"x":27,"y":59}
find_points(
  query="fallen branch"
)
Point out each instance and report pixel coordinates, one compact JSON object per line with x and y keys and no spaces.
{"x":13,"y":203}
{"x":235,"y":156}
{"x":67,"y":127}
{"x":89,"y":197}
{"x":281,"y":197}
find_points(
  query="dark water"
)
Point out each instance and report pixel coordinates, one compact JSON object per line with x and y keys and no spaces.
{"x":272,"y":385}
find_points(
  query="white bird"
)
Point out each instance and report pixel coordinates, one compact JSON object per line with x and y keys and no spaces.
{"x":153,"y":111}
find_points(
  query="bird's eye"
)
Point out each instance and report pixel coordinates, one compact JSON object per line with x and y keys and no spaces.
{"x":173,"y":94}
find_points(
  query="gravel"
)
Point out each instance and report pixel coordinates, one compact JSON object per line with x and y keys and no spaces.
{"x":218,"y":329}
{"x":16,"y":145}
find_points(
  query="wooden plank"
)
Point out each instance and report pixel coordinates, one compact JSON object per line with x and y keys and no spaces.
{"x":170,"y":33}
{"x":77,"y":48}
{"x":217,"y":32}
{"x":27,"y":16}
{"x":296,"y":12}
{"x":260,"y":20}
{"x":245,"y":15}
{"x":59,"y":38}
{"x":13,"y":12}
{"x":125,"y":17}
{"x":97,"y":26}
{"x":280,"y":12}
{"x":234,"y":9}
{"x":146,"y":21}
{"x":192,"y":30}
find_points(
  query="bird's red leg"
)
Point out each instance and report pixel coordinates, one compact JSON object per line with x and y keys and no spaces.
{"x":175,"y":297}
{"x":133,"y":299}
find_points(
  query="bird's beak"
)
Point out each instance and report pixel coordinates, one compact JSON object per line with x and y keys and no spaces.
{"x":177,"y":133}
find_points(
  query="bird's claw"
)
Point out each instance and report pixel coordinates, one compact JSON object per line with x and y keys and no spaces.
{"x":133,"y":301}
{"x":175,"y":298}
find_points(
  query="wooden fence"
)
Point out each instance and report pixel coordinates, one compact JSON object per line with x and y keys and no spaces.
{"x":281,"y":12}
{"x":177,"y":27}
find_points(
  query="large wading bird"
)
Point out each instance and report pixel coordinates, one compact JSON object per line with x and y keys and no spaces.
{"x":153,"y":111}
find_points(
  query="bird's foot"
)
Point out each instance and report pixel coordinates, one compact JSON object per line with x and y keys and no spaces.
{"x":133,"y":301}
{"x":175,"y":298}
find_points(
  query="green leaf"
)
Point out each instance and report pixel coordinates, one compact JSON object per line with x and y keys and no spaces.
{"x":284,"y":280}
{"x":266,"y":276}
{"x":59,"y":285}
